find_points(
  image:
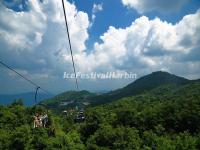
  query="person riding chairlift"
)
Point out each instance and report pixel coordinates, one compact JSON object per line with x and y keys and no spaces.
{"x":36,"y":122}
{"x":40,"y":121}
{"x":44,"y":119}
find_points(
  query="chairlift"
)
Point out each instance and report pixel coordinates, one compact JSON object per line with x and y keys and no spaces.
{"x":80,"y":117}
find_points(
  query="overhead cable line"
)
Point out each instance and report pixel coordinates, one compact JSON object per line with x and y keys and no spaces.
{"x":25,"y":78}
{"x":66,"y":24}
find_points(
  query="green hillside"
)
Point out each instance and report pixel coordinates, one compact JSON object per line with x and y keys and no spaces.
{"x":141,"y":85}
{"x":69,"y":99}
{"x":164,"y":118}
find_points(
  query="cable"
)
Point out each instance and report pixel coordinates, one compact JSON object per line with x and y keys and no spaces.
{"x":36,"y":94}
{"x":31,"y":82}
{"x":66,"y":24}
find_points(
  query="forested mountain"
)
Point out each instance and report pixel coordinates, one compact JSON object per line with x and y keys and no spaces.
{"x":139,"y":86}
{"x":69,"y":99}
{"x":143,"y":84}
{"x":166,"y":117}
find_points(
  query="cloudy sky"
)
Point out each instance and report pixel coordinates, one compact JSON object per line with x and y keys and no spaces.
{"x":137,"y":36}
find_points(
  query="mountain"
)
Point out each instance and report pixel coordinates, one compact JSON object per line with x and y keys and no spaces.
{"x":158,"y":115}
{"x":68,"y":99}
{"x":141,"y":85}
{"x":28,"y":98}
{"x":166,"y":117}
{"x":146,"y":83}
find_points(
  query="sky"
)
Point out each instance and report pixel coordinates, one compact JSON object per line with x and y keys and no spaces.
{"x":122,"y":36}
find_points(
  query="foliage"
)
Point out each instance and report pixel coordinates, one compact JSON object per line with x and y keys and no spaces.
{"x":165,"y":118}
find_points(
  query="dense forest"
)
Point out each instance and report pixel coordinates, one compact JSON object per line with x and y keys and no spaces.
{"x":167,"y":117}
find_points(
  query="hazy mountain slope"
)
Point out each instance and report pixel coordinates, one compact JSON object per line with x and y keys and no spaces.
{"x":143,"y":84}
{"x":146,"y":83}
{"x":28,"y":98}
{"x":68,"y":99}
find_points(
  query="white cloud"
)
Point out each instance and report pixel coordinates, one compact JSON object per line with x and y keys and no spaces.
{"x":163,"y":6}
{"x":42,"y":29}
{"x":24,"y":30}
{"x":78,"y":25}
{"x":147,"y":45}
{"x":35,"y":41}
{"x":95,"y":9}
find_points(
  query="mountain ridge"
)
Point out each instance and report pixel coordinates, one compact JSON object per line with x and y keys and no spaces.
{"x":145,"y":83}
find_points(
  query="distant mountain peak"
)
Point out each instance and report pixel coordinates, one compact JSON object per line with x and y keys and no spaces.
{"x":145,"y":83}
{"x":160,"y":71}
{"x":163,"y":73}
{"x":161,"y":77}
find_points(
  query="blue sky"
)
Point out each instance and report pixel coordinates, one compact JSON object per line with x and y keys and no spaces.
{"x":113,"y":14}
{"x":117,"y":15}
{"x":137,"y":36}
